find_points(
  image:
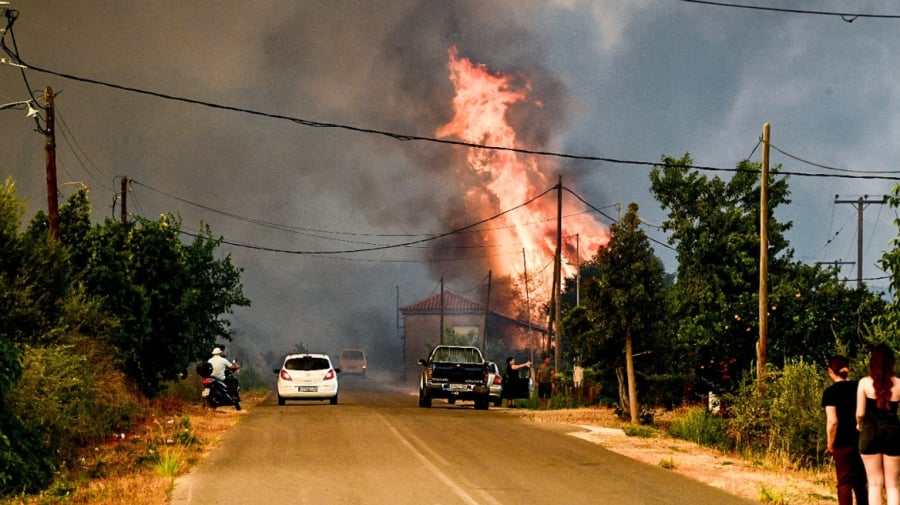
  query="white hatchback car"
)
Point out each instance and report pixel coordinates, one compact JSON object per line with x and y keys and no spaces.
{"x":307,"y":377}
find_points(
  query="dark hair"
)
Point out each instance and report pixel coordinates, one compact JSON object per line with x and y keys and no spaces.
{"x":509,"y":359}
{"x":840,"y":365}
{"x":881,"y":369}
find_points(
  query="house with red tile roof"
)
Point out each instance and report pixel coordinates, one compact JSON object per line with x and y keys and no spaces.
{"x":457,"y":320}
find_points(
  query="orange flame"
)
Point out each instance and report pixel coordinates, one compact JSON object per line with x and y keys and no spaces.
{"x":481,"y":103}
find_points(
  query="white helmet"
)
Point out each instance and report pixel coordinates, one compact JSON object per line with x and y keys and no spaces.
{"x":217,"y":351}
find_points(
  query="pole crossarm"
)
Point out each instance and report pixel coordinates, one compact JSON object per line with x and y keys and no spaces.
{"x":861,"y":203}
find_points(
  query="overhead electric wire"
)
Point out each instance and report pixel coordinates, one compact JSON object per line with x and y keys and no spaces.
{"x":90,"y":167}
{"x":582,"y":200}
{"x":826,"y":167}
{"x":846,"y":16}
{"x":19,"y":62}
{"x":404,"y":136}
{"x":390,"y":246}
{"x":318,"y":233}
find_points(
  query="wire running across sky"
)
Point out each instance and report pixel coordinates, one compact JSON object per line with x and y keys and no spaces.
{"x":17,"y":61}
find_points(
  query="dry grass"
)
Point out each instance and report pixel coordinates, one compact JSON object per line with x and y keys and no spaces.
{"x":765,"y":482}
{"x":140,"y":467}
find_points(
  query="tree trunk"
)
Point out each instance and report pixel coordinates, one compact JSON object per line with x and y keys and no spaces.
{"x":632,"y":387}
{"x":623,"y":395}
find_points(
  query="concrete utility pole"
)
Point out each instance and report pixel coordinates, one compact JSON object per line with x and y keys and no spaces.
{"x":50,"y":147}
{"x":860,"y":203}
{"x":763,"y":258}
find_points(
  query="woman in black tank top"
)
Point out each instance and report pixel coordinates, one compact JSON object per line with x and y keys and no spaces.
{"x":877,"y":398}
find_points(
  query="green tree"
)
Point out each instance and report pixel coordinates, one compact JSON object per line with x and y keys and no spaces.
{"x":25,"y":463}
{"x":624,"y":306}
{"x":714,"y":302}
{"x":714,"y":225}
{"x":887,"y":325}
{"x":171,"y":297}
{"x":812,"y":313}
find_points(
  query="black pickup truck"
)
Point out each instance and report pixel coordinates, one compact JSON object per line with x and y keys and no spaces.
{"x":455,"y":373}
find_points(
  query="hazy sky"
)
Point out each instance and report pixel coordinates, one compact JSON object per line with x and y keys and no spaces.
{"x":628,"y":80}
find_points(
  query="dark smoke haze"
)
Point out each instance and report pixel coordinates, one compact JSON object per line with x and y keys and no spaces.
{"x":367,"y":64}
{"x":630,"y":80}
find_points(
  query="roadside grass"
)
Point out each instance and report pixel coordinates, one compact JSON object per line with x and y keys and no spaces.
{"x":140,"y":467}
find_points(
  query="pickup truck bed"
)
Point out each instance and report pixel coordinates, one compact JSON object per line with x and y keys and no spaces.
{"x":454,"y":373}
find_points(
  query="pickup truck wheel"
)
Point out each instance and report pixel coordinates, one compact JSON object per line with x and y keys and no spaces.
{"x":424,"y":400}
{"x":482,"y":404}
{"x":451,"y":401}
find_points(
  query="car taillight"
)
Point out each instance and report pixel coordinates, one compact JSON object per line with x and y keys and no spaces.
{"x":329,"y":375}
{"x":285,"y":376}
{"x":207,"y":381}
{"x":498,"y":380}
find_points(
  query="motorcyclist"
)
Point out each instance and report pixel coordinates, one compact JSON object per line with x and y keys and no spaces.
{"x":220,"y":365}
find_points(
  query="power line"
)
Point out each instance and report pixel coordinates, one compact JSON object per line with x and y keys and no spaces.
{"x":846,"y":16}
{"x":391,"y":246}
{"x":17,"y":61}
{"x":826,"y":167}
{"x":320,"y":233}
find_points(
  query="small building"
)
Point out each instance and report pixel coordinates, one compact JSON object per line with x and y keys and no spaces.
{"x":463,"y":322}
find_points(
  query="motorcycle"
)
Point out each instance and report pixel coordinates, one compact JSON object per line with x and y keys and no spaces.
{"x":216,"y":393}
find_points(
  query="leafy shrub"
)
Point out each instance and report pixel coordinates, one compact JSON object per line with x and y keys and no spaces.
{"x":72,"y":395}
{"x":781,"y":418}
{"x":27,"y":465}
{"x":701,"y":427}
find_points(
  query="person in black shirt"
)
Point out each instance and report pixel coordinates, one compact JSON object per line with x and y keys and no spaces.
{"x":839,"y":401}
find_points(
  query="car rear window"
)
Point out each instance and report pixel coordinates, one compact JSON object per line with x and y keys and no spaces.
{"x":352,"y":355}
{"x":456,"y":355}
{"x":306,"y":363}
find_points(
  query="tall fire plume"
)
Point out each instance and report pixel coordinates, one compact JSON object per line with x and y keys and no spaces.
{"x":524,"y":239}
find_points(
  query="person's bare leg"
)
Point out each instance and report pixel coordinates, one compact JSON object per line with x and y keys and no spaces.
{"x":891,"y":466}
{"x":875,"y":476}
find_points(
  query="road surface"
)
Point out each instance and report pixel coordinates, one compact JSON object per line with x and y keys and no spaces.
{"x":378,"y":447}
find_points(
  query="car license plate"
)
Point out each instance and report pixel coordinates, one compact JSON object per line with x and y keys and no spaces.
{"x":308,"y":389}
{"x":205,"y":393}
{"x":457,"y":387}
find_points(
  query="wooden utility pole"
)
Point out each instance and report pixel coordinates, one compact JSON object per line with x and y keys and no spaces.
{"x":124,"y":200}
{"x":632,"y":381}
{"x":557,"y":282}
{"x":441,"y":340}
{"x":487,"y":313}
{"x":50,"y":148}
{"x":528,"y":303}
{"x":763,"y":257}
{"x":861,"y":202}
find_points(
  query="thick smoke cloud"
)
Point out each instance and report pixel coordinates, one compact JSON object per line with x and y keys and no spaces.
{"x":630,"y":80}
{"x":372,"y":65}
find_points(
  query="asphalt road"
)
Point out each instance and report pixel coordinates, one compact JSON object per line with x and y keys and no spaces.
{"x":378,"y":447}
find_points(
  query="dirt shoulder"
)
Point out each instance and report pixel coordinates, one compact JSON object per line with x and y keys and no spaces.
{"x":730,"y":472}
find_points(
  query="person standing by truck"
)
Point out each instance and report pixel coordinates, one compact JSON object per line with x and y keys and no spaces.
{"x":545,"y":381}
{"x":512,"y":388}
